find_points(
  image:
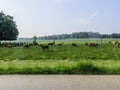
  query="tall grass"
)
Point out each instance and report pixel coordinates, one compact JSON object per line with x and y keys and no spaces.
{"x":60,"y":67}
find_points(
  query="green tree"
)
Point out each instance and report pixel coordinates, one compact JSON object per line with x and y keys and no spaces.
{"x":34,"y":40}
{"x":8,"y":27}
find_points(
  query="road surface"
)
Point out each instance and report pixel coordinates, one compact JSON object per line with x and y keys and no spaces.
{"x":59,"y":82}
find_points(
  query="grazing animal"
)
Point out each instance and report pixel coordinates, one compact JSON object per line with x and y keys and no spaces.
{"x":51,"y":44}
{"x":26,"y":45}
{"x":60,"y":44}
{"x":44,"y":47}
{"x":92,"y":44}
{"x":9,"y":45}
{"x":116,"y":43}
{"x":75,"y":45}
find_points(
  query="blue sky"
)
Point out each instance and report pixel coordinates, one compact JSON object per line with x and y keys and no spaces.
{"x":47,"y":17}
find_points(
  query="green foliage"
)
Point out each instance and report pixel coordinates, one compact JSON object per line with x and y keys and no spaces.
{"x":34,"y":38}
{"x":8,"y":27}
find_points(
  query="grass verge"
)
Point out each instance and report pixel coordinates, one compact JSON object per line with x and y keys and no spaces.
{"x":60,"y":67}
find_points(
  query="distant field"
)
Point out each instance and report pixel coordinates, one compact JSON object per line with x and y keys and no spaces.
{"x":83,"y":40}
{"x":67,"y":41}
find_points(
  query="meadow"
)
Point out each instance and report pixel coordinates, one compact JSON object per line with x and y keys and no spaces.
{"x":106,"y":51}
{"x":66,"y":59}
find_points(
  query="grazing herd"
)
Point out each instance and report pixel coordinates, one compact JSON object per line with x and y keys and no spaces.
{"x":50,"y":44}
{"x":12,"y":44}
{"x":46,"y":46}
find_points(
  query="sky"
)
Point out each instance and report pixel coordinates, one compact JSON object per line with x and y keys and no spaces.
{"x":50,"y":17}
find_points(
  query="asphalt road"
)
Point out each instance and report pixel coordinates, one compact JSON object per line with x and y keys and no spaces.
{"x":59,"y":82}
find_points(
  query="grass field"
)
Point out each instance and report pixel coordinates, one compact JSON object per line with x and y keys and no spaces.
{"x":62,"y":60}
{"x":69,"y":52}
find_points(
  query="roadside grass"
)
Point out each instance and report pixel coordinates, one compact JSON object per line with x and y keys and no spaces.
{"x":60,"y":67}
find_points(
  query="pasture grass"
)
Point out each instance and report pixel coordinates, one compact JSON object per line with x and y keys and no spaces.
{"x":60,"y":67}
{"x":104,"y":52}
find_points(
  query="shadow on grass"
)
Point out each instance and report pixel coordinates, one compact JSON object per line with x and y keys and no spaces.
{"x":88,"y":68}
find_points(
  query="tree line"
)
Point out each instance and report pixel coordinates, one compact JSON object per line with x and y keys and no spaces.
{"x":80,"y":35}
